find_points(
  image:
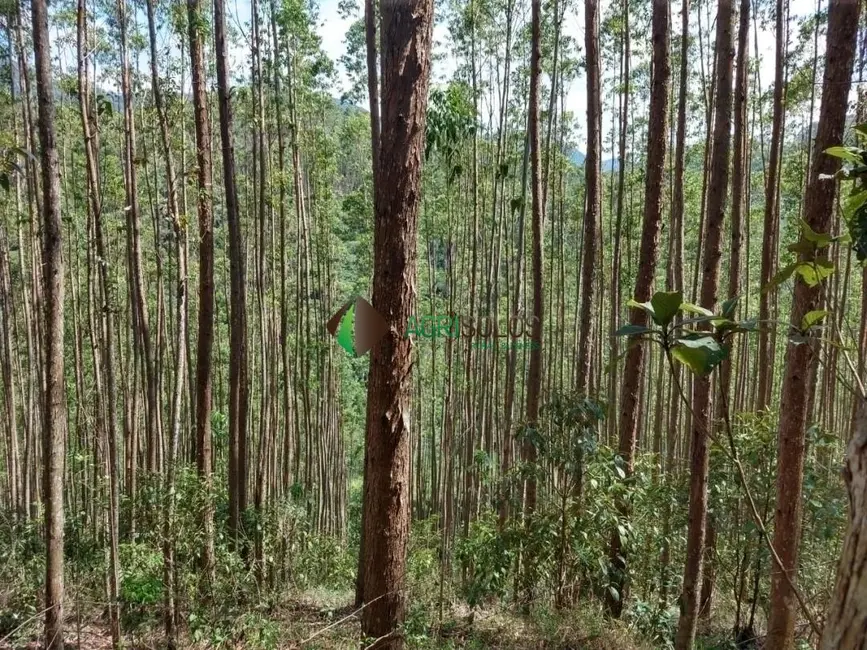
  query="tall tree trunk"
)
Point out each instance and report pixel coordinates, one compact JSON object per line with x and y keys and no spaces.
{"x":140,"y":308}
{"x":534,"y":374}
{"x":739,"y":176}
{"x":740,"y":171}
{"x":206,"y":285}
{"x":617,"y":255}
{"x":800,"y":359}
{"x":677,"y":279}
{"x":406,"y":45}
{"x":680,"y":153}
{"x":657,"y":141}
{"x":54,"y":408}
{"x":170,"y":614}
{"x":238,"y":391}
{"x":771,"y":226}
{"x":846,"y":624}
{"x":593,"y":189}
{"x":106,"y":333}
{"x":701,"y":404}
{"x":373,"y":106}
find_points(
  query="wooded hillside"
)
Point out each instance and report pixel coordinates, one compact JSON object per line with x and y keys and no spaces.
{"x":517,"y":324}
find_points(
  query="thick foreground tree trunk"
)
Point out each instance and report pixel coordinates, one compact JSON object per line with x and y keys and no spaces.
{"x":800,"y":359}
{"x":406,"y":44}
{"x":846,"y":624}
{"x":54,"y":411}
{"x":373,"y":105}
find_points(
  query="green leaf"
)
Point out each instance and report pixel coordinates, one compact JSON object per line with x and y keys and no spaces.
{"x":700,"y":354}
{"x":801,"y":247}
{"x":815,"y":272}
{"x":849,"y":154}
{"x":695,"y":309}
{"x":615,"y":595}
{"x":632,"y":330}
{"x":723,"y":324}
{"x":861,"y":130}
{"x":853,"y":202}
{"x":645,"y":306}
{"x":729,"y":307}
{"x":784,"y":274}
{"x":819,"y":239}
{"x":857,"y":225}
{"x":812,"y":318}
{"x":666,"y":304}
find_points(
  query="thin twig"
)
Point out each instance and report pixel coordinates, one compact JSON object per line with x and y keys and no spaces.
{"x":32,"y":618}
{"x":341,"y":621}
{"x":378,"y":639}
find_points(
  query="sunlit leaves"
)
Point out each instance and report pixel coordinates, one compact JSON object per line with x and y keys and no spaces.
{"x":812,"y":267}
{"x":662,"y":308}
{"x":633,"y":330}
{"x":855,"y":214}
{"x":812,"y":318}
{"x":812,"y":273}
{"x":644,"y":306}
{"x":700,"y":354}
{"x":821,"y":240}
{"x":666,"y":305}
{"x":690,"y":308}
{"x":451,"y":119}
{"x":848,"y":154}
{"x":854,"y":206}
{"x":700,"y":351}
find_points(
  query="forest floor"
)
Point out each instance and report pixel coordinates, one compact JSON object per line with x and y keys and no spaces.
{"x":323,"y":621}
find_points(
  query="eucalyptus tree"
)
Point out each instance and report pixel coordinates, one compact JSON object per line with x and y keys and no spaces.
{"x":809,"y":270}
{"x":771,"y":215}
{"x":205,"y":343}
{"x":657,"y":141}
{"x":534,"y":374}
{"x":701,"y":401}
{"x":593,"y":189}
{"x":406,"y":47}
{"x":238,"y":385}
{"x":54,"y":411}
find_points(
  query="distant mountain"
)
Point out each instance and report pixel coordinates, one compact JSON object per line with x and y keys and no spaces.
{"x":608,"y":165}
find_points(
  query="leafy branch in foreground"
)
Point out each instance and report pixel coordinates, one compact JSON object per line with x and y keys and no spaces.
{"x":854,"y":206}
{"x":702,"y":351}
